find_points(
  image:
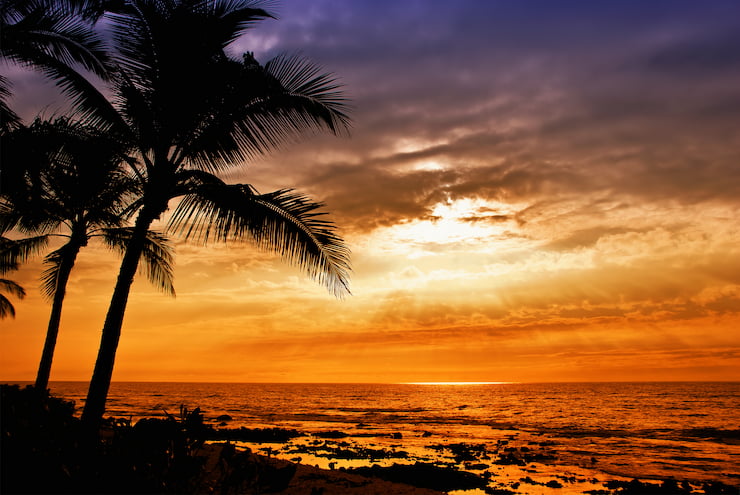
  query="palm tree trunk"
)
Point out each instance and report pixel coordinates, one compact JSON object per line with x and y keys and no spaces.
{"x":97,"y":394}
{"x":52,"y":331}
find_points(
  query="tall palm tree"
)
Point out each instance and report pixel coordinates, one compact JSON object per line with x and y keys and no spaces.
{"x":65,"y":180}
{"x":193,"y":112}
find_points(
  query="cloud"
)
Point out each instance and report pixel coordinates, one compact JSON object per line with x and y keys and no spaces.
{"x":584,"y":238}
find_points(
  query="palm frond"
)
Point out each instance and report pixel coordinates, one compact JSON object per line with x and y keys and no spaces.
{"x":55,"y":30}
{"x":148,"y":31}
{"x":50,"y":276}
{"x":6,"y":307}
{"x":236,"y":16}
{"x":159,"y":262}
{"x":56,"y":37}
{"x":187,"y":181}
{"x":9,"y":120}
{"x":88,"y":10}
{"x":313,"y":94}
{"x":254,"y":109}
{"x":9,"y":287}
{"x":282,"y":222}
{"x":9,"y":217}
{"x":157,"y":256}
{"x":13,"y":252}
{"x":12,"y":288}
{"x":29,"y":215}
{"x":89,"y":104}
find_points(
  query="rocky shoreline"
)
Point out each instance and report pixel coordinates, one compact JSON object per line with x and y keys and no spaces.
{"x":474,"y":468}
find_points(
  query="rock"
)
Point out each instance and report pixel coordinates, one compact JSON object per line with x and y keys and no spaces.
{"x":331,"y":434}
{"x":267,"y":435}
{"x":510,"y":459}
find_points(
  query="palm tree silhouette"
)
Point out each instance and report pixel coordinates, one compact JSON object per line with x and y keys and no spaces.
{"x":65,"y":180}
{"x":192,"y":112}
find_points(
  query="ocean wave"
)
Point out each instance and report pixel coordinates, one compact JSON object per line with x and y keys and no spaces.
{"x":711,"y":433}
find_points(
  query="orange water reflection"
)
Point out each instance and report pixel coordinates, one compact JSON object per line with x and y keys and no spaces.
{"x":458,"y":383}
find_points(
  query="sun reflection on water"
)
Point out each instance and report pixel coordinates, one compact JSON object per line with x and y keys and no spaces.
{"x":457,"y":383}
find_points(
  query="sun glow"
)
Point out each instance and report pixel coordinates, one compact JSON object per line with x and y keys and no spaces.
{"x":466,"y":221}
{"x":430,"y":166}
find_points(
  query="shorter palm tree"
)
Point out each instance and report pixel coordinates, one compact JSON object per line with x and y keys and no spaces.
{"x":65,"y":180}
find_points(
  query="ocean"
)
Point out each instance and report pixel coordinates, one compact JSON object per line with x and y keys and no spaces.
{"x":584,"y":432}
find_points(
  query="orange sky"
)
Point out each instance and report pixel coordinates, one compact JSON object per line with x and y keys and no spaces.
{"x":554,"y":201}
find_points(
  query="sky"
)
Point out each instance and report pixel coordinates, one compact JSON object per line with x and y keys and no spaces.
{"x":532,"y":191}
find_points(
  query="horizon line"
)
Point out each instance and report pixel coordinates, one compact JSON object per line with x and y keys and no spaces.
{"x":455,"y":383}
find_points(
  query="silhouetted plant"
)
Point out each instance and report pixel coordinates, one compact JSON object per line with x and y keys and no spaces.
{"x":39,"y":435}
{"x":41,"y":450}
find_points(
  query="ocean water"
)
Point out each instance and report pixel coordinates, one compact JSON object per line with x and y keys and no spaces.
{"x":685,"y":431}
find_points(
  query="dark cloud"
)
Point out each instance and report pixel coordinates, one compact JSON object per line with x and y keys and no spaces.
{"x":716,"y":53}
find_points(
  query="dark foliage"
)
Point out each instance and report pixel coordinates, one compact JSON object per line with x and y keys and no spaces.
{"x":41,"y":451}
